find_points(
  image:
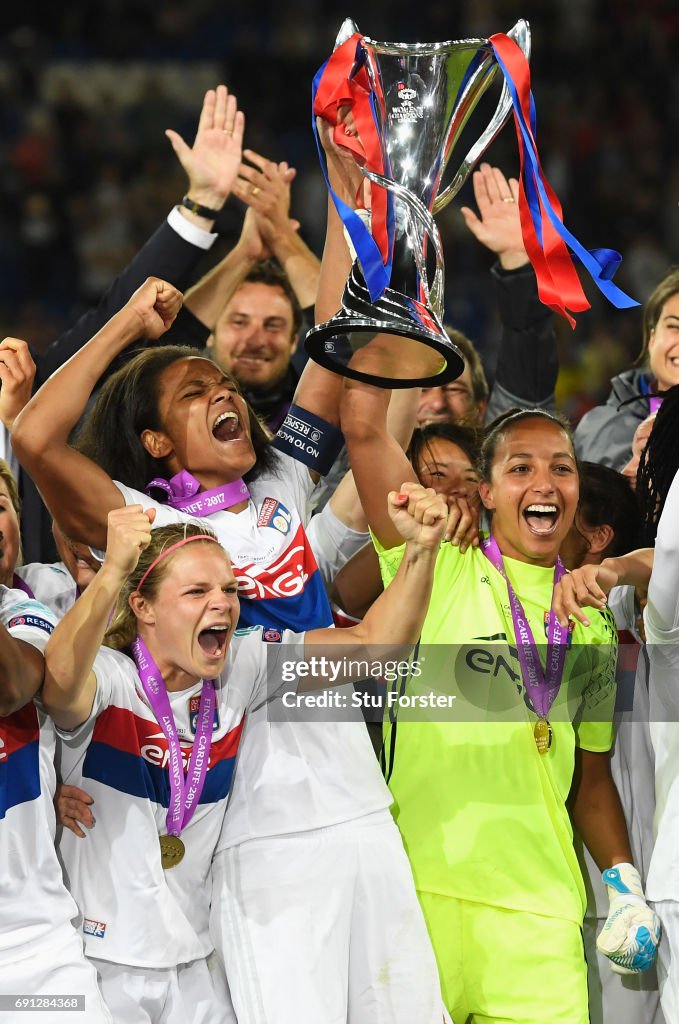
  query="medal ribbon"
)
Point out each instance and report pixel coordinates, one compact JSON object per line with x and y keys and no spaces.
{"x":545,"y":236}
{"x":542,"y":685}
{"x":185,"y":791}
{"x":344,"y":81}
{"x":182,"y":490}
{"x":20,"y":584}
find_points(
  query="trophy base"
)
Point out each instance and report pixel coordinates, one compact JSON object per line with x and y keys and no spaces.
{"x":362,"y":343}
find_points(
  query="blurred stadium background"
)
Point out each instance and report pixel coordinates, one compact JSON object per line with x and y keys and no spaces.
{"x":86,"y":173}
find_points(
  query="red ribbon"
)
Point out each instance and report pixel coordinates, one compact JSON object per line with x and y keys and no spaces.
{"x":345,"y":83}
{"x":558,"y":283}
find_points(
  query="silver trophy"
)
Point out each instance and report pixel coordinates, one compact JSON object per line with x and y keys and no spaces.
{"x":427,"y":93}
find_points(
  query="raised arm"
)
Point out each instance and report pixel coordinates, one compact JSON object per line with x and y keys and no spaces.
{"x":17,"y":372}
{"x":528,"y":363}
{"x":78,"y":492}
{"x":70,"y":683}
{"x":21,"y":672}
{"x":378,"y":462}
{"x":174,"y":250}
{"x":589,"y":586}
{"x":396,"y":617}
{"x":319,"y":390}
{"x":264,"y":187}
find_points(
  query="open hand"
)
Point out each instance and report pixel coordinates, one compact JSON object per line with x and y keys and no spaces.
{"x":498,"y":224}
{"x":73,"y":808}
{"x":212,"y":163}
{"x":264,"y":186}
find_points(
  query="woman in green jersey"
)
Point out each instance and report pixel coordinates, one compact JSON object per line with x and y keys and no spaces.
{"x":485,"y":790}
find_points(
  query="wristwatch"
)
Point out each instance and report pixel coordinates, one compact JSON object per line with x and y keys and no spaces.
{"x":200,"y":211}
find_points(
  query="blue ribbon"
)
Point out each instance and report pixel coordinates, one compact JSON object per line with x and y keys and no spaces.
{"x":376,"y":272}
{"x":601,"y":264}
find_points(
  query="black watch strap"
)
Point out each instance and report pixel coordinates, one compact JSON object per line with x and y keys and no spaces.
{"x":200,"y":211}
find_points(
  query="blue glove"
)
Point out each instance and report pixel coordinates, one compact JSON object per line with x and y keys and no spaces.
{"x":631,"y":934}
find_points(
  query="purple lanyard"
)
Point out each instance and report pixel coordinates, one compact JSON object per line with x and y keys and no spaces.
{"x":182,"y":490}
{"x":654,"y":404}
{"x":184,"y":792}
{"x":20,"y":584}
{"x":542,"y":685}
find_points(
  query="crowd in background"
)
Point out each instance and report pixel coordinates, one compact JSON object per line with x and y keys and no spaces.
{"x":86,"y":172}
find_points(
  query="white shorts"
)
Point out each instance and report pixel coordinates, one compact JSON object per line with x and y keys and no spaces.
{"x":616,"y":998}
{"x":324,"y":927}
{"x":54,"y":968}
{"x":196,"y":992}
{"x":668,"y":959}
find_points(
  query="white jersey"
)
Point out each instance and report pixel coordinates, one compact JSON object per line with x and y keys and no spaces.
{"x":51,"y":584}
{"x":293,"y":774}
{"x":34,"y":905}
{"x":661,"y":618}
{"x":278,"y":579}
{"x":632,"y":755}
{"x":132,"y":911}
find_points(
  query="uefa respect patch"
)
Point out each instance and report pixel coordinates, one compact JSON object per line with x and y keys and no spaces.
{"x":31,"y":620}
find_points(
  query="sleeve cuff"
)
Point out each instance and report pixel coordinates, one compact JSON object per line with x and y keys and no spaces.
{"x":189,"y":232}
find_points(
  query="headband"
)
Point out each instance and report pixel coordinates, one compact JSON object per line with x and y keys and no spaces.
{"x":168,"y":551}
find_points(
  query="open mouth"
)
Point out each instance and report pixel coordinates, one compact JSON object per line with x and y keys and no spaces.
{"x":227,"y":427}
{"x":541,"y":520}
{"x":213,"y":641}
{"x":251,"y":359}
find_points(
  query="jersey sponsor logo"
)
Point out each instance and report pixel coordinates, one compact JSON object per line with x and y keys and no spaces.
{"x":130,"y":754}
{"x":286,"y":577}
{"x":97,"y":929}
{"x":31,"y":620}
{"x":272,"y":636}
{"x":19,"y":758}
{"x":194,"y":708}
{"x":274,"y":514}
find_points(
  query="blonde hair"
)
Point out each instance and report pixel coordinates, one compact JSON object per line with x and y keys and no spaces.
{"x":13,"y":491}
{"x":123,"y":626}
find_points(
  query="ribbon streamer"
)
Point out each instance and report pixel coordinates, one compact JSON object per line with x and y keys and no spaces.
{"x":344,"y":81}
{"x":545,"y":236}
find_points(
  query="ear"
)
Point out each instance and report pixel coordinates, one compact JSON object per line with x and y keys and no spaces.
{"x":294,"y":342}
{"x":210,"y":343}
{"x":143,"y":610}
{"x":157,"y":444}
{"x":651,"y":339}
{"x":486,"y":495}
{"x":600,"y":538}
{"x":481,"y":406}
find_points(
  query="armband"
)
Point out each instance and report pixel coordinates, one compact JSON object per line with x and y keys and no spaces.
{"x":309,"y":439}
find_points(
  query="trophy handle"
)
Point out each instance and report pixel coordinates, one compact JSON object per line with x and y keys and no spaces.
{"x":520,"y":33}
{"x":418,"y":217}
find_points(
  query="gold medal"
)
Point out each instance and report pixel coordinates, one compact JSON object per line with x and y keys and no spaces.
{"x":171,"y":851}
{"x":543,"y":735}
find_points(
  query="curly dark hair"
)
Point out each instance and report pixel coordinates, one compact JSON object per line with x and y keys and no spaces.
{"x":658,"y":466}
{"x":128,"y":404}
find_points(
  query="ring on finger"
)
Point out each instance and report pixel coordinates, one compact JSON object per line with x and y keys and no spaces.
{"x":507,"y":199}
{"x":256,"y":190}
{"x":228,"y":131}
